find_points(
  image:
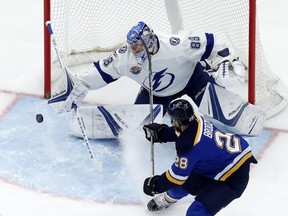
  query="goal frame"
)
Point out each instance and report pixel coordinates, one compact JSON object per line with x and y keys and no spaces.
{"x":251,"y":51}
{"x":47,"y":51}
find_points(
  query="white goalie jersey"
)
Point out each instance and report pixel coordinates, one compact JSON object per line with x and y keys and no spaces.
{"x":172,"y":65}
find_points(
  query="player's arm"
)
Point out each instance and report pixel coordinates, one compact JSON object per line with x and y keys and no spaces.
{"x":99,"y":74}
{"x":174,"y":177}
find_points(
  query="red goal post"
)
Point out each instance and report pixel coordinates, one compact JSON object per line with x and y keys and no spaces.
{"x":86,"y":29}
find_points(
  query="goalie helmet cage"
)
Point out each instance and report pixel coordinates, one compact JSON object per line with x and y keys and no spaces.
{"x":90,"y":29}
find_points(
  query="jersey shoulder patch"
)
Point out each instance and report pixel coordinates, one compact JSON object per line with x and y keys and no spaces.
{"x":174,"y":41}
{"x":123,"y":49}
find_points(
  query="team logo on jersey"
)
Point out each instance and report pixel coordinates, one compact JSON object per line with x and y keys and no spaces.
{"x":174,"y":41}
{"x":135,"y":69}
{"x":122,"y":49}
{"x":161,"y":80}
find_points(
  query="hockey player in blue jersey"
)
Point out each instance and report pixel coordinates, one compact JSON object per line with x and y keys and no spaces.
{"x":177,"y":69}
{"x":210,"y":164}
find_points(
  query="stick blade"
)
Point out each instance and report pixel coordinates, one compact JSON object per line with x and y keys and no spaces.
{"x":98,"y":165}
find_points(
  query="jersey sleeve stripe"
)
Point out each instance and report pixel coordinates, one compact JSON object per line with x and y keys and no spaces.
{"x":232,"y":167}
{"x":209,"y":46}
{"x":176,"y":179}
{"x":106,"y":77}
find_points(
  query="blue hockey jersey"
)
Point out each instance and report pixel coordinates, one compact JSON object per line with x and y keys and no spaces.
{"x":207,"y":151}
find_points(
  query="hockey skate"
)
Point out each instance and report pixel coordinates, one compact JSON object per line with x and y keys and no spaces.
{"x":158,"y":203}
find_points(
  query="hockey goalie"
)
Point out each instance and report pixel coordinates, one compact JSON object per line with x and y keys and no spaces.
{"x":199,"y":65}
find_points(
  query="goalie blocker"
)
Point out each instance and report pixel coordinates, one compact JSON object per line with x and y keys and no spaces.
{"x":237,"y":116}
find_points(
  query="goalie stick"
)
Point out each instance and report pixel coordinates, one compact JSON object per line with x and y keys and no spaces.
{"x":152,"y":160}
{"x":80,"y":121}
{"x":97,"y":163}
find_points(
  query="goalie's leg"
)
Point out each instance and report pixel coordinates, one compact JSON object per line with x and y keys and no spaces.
{"x":234,"y":113}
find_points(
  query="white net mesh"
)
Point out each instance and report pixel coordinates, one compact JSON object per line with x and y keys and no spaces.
{"x":86,"y":27}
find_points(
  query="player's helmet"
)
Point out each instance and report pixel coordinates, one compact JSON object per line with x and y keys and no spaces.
{"x":181,"y":111}
{"x":142,"y":30}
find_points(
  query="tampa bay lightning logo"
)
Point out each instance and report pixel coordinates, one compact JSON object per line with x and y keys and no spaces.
{"x":160,"y":81}
{"x":174,"y":41}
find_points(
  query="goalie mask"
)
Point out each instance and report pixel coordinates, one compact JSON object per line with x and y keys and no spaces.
{"x":181,"y":111}
{"x":141,"y":30}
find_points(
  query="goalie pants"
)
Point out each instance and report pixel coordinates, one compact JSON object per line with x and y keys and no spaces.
{"x":211,"y":194}
{"x":194,"y":89}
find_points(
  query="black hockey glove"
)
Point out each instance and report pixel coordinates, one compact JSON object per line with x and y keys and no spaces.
{"x":149,"y":185}
{"x":152,"y":130}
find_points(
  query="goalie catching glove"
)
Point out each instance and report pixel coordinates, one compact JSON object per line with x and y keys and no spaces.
{"x":230,"y":74}
{"x":226,"y":69}
{"x":153,"y":130}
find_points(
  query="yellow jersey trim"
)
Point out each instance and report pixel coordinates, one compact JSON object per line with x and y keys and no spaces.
{"x":236,"y":167}
{"x":173,"y":180}
{"x":199,"y":130}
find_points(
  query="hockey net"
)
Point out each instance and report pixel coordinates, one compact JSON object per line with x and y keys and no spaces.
{"x":87,"y":30}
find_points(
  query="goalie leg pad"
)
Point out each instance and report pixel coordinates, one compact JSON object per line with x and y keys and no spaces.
{"x":231,"y":112}
{"x":105,"y":122}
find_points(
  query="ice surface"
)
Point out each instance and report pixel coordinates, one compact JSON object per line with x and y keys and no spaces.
{"x":44,"y":171}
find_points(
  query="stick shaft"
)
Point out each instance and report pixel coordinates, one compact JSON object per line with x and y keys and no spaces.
{"x":97,"y":163}
{"x":48,"y":24}
{"x":152,"y":157}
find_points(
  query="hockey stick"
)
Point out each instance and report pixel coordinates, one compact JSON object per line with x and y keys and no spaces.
{"x":97,"y":163}
{"x":64,"y":70}
{"x":152,"y":160}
